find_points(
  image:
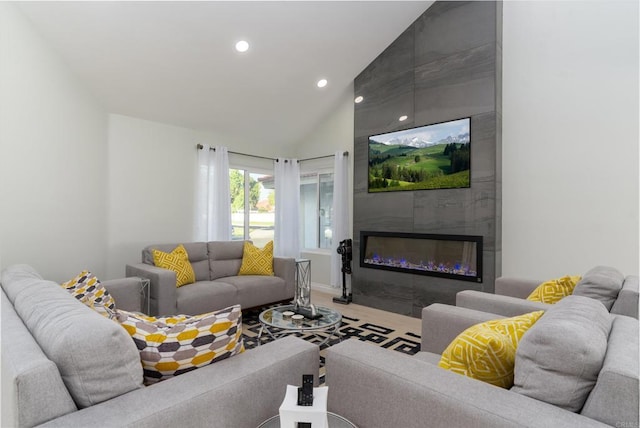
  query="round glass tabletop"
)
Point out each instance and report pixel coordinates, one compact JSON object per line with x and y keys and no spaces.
{"x":335,"y":421}
{"x":273,"y":317}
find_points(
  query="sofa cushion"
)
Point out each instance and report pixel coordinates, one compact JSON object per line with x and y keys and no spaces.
{"x":614,"y":399}
{"x":559,"y":358}
{"x":87,"y":288}
{"x":602,"y":283}
{"x":205,"y":296}
{"x":256,"y":290}
{"x":13,"y":274}
{"x":257,"y":261}
{"x":170,"y":346}
{"x":554,"y":290}
{"x":225,"y":258}
{"x":178,"y":261}
{"x":198,"y":256}
{"x":96,"y":358}
{"x":487,"y":351}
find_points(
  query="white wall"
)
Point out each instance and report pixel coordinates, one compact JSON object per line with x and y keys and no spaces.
{"x":570,"y":137}
{"x":333,"y":134}
{"x":52,"y":158}
{"x":152,"y":169}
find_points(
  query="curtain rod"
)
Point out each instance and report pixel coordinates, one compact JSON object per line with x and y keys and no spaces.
{"x":200,"y":147}
{"x":345,"y":153}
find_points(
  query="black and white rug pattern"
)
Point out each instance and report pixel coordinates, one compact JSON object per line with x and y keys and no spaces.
{"x":400,"y":341}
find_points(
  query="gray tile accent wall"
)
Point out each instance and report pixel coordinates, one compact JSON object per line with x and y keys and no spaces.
{"x":445,"y":66}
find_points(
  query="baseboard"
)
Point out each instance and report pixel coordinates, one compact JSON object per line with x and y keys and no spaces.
{"x":326,"y":288}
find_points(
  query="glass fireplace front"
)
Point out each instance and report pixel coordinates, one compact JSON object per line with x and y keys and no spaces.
{"x":446,"y":256}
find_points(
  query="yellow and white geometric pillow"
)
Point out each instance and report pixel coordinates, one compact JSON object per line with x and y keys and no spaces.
{"x":102,"y":310}
{"x":487,"y":351}
{"x":170,"y":346}
{"x":177,"y":261}
{"x":554,"y":290}
{"x":256,"y":261}
{"x":87,"y":288}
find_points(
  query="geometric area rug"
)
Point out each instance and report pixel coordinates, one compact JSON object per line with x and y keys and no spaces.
{"x":385,"y":337}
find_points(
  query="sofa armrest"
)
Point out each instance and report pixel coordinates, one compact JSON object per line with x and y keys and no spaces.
{"x":376,"y":387}
{"x":627,"y":301}
{"x":163,"y":296}
{"x":515,"y":287}
{"x":442,"y":323}
{"x":29,"y":378}
{"x":127,"y":293}
{"x":241,"y":391}
{"x":285,"y":268}
{"x":497,"y":304}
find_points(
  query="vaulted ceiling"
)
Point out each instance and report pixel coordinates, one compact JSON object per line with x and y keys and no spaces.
{"x":175,"y":62}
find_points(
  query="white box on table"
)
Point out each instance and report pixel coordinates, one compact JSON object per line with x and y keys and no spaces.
{"x":291,"y":413}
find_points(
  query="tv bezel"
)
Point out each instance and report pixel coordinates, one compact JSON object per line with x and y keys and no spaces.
{"x":418,"y":127}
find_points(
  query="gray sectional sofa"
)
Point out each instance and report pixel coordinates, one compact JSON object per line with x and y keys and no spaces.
{"x":374,"y":387}
{"x":216,"y":265}
{"x":64,"y":365}
{"x":618,"y":293}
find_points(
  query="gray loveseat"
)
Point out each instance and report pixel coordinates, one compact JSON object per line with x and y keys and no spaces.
{"x":64,"y":365}
{"x":374,"y":387}
{"x":216,"y":265}
{"x":618,"y":293}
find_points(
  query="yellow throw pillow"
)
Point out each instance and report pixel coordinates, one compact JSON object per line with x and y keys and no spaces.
{"x":177,"y":261}
{"x":554,"y":290}
{"x":487,"y":351}
{"x":256,"y":261}
{"x":174,"y":345}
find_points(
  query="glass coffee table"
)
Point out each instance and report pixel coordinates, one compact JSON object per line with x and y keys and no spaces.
{"x":335,"y":421}
{"x":276,"y":325}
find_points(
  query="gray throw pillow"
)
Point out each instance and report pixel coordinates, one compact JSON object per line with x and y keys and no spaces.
{"x":559,"y":358}
{"x":602,"y":283}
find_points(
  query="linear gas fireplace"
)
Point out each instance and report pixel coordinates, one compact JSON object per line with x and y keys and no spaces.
{"x":445,"y":256}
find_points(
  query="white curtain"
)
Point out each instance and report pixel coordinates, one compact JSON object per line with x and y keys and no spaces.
{"x":340,"y":214}
{"x":213,"y":202}
{"x":287,"y":189}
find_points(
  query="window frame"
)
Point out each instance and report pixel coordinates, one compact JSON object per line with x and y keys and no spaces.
{"x":317,"y":172}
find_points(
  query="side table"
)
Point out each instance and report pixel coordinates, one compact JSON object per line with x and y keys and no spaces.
{"x":145,"y":293}
{"x":303,"y":283}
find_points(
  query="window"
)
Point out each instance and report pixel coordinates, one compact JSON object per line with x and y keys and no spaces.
{"x":316,"y":210}
{"x":252,"y":206}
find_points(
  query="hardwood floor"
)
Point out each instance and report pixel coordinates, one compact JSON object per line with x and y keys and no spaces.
{"x":375,"y":316}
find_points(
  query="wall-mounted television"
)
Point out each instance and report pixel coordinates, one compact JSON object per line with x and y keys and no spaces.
{"x":436,"y":156}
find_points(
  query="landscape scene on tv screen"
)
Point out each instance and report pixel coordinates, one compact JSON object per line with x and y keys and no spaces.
{"x":435,"y":156}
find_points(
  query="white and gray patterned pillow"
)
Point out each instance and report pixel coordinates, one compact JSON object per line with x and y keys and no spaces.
{"x":170,"y":346}
{"x":87,"y":288}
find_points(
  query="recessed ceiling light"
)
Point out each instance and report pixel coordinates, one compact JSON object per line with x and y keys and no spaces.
{"x":242,"y":46}
{"x":322,"y":83}
{"x":359,"y":99}
{"x":402,"y":118}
